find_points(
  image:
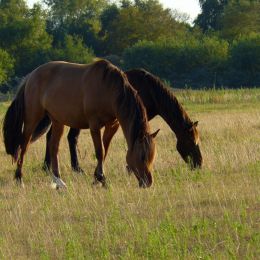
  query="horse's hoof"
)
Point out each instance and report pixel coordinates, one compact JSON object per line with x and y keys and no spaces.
{"x":46,"y":168}
{"x":58,"y":183}
{"x":20,"y":183}
{"x":103,"y":183}
{"x":95,"y":182}
{"x":78,"y":170}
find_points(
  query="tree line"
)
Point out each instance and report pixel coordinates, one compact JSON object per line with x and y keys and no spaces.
{"x":221,"y":48}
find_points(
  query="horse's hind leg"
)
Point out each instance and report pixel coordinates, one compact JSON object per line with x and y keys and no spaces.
{"x":56,"y":134}
{"x":18,"y":172}
{"x":99,"y":172}
{"x":47,"y":159}
{"x":73,"y":140}
{"x":27,"y":134}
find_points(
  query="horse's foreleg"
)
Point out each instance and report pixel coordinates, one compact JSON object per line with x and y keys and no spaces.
{"x":47,"y":159}
{"x":73,"y":140}
{"x":99,"y":172}
{"x":110,"y":130}
{"x":56,"y":134}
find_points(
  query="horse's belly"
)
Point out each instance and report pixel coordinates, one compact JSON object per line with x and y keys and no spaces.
{"x":77,"y":124}
{"x":69,"y":119}
{"x":77,"y":118}
{"x":66,"y":112}
{"x":77,"y":109}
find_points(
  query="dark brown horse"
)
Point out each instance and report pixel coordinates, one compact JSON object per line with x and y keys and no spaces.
{"x":158,"y":100}
{"x":80,"y":96}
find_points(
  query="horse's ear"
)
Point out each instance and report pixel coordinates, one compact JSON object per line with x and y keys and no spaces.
{"x":195,"y":123}
{"x":155,"y":133}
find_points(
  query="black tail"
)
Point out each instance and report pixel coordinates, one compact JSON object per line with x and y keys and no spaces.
{"x":13,"y":123}
{"x":41,"y":128}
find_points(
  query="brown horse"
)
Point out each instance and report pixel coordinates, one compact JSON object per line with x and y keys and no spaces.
{"x":158,"y":100}
{"x":80,"y":96}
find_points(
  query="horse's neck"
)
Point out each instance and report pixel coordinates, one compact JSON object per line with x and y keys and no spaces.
{"x":172,"y":112}
{"x":159,"y":100}
{"x":131,"y":129}
{"x":132,"y":119}
{"x":126,"y":127}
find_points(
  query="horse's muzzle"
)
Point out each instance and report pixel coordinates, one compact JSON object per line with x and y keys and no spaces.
{"x":146,"y":181}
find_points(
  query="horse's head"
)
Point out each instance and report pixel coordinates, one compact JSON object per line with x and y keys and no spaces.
{"x":188,"y":145}
{"x":140,"y":159}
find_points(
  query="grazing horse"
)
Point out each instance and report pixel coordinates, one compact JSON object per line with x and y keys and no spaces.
{"x":80,"y":96}
{"x":158,"y":100}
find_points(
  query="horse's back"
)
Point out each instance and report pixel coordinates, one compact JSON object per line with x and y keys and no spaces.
{"x":72,"y":93}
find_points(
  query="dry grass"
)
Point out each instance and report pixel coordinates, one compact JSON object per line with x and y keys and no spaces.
{"x":211,"y":213}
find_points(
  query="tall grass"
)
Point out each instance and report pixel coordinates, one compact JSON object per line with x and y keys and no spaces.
{"x":220,"y":96}
{"x":208,"y":213}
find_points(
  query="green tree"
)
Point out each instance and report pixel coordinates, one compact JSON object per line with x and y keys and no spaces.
{"x":193,"y":62}
{"x":73,"y":50}
{"x":211,"y":12}
{"x":6,"y":66}
{"x":23,"y":34}
{"x":141,"y":20}
{"x":245,"y":53}
{"x":79,"y":18}
{"x":108,"y":16}
{"x":240,"y":18}
{"x":244,"y":62}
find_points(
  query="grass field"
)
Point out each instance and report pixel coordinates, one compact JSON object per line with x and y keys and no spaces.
{"x":210,"y":213}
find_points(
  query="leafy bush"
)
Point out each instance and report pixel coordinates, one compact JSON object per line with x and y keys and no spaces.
{"x":73,"y":50}
{"x":195,"y":62}
{"x":23,"y":35}
{"x":6,"y":66}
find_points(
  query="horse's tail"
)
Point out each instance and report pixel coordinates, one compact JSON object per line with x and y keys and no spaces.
{"x":41,"y":128}
{"x":13,"y":123}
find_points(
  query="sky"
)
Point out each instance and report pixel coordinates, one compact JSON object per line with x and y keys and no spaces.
{"x":190,"y":7}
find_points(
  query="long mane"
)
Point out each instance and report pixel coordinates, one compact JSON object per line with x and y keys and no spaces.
{"x":166,"y":103}
{"x":128,"y":104}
